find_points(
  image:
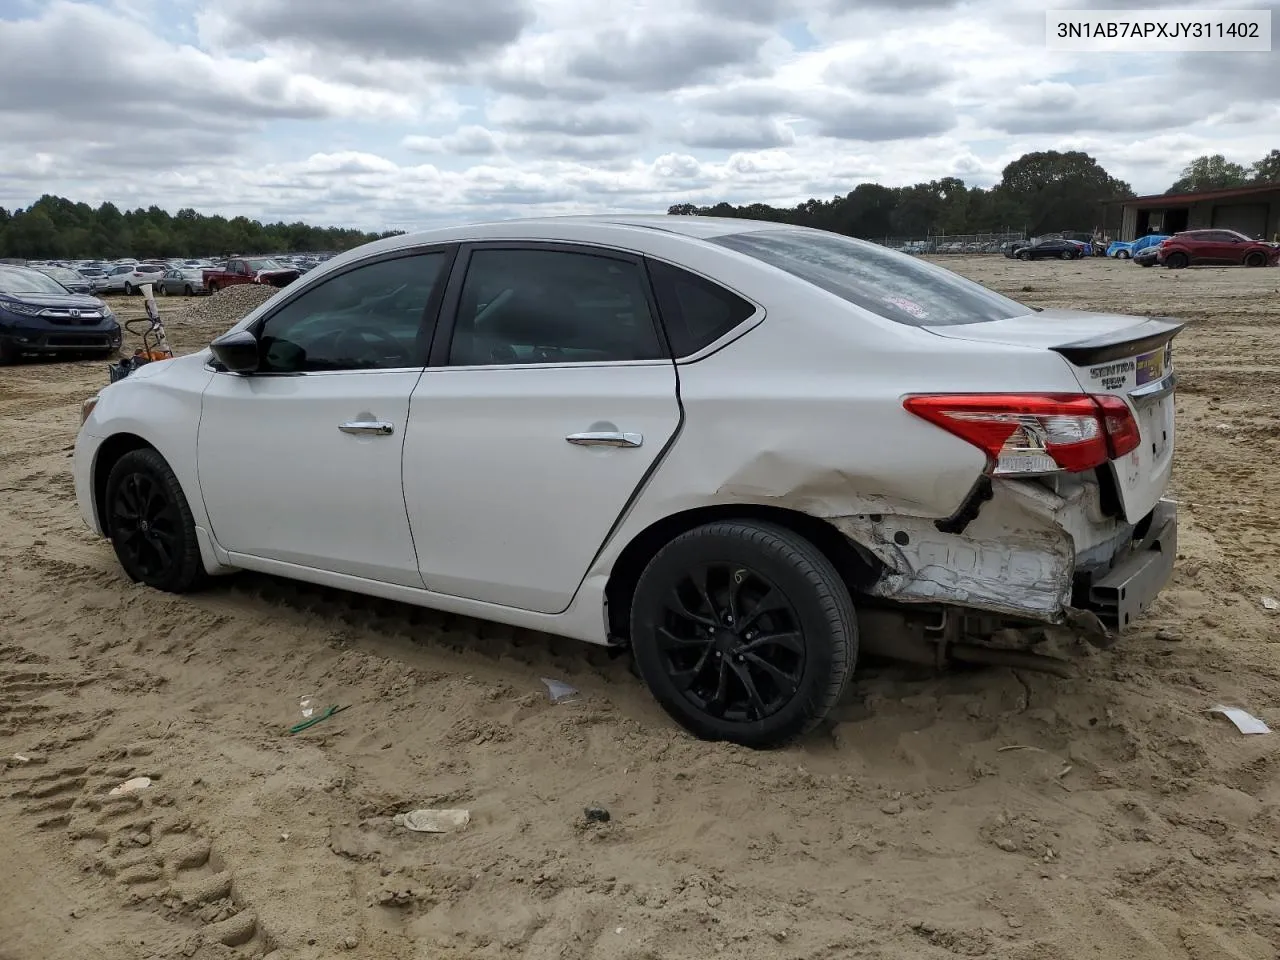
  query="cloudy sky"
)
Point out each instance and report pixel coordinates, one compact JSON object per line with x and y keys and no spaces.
{"x":398,"y":114}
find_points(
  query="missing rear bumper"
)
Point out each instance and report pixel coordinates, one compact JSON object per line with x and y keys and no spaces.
{"x":1119,"y":595}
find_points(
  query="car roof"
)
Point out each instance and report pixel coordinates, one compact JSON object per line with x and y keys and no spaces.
{"x":569,"y":227}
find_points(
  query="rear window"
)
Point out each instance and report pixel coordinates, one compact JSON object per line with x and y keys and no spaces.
{"x":892,"y":285}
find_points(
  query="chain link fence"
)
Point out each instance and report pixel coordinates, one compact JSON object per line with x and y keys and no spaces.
{"x":970,"y":243}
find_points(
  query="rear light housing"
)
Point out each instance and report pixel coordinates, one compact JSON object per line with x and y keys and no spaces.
{"x":1035,"y":434}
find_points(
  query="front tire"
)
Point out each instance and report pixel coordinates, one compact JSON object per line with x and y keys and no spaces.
{"x":744,"y":632}
{"x":150,"y":523}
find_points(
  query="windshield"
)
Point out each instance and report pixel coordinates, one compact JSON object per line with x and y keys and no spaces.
{"x":18,"y":282}
{"x":896,"y":286}
{"x":263,"y":265}
{"x":62,"y":275}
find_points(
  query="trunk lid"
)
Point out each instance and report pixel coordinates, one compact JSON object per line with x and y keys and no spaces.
{"x":1124,"y":356}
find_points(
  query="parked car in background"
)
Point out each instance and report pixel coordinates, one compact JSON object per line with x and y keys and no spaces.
{"x":249,"y":270}
{"x":39,"y":315}
{"x":1216,"y":248}
{"x":71,"y":279}
{"x":560,"y":424}
{"x":1147,"y":256}
{"x":1125,"y":249}
{"x":126,"y":278}
{"x":181,"y":281}
{"x":1052,"y":247}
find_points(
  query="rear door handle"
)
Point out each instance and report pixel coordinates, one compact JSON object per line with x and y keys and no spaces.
{"x":606,"y":439}
{"x":368,"y":428}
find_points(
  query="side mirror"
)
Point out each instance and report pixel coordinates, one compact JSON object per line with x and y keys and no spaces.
{"x":236,"y":352}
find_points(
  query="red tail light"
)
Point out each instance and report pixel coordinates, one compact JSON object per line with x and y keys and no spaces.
{"x":1035,"y":433}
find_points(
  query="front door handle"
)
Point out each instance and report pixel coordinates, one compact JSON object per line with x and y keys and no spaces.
{"x":368,"y":428}
{"x":606,"y":439}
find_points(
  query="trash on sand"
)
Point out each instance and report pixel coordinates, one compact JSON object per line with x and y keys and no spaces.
{"x":129,"y":786}
{"x":433,"y":821}
{"x":559,"y":691}
{"x":1270,"y":603}
{"x":596,"y":814}
{"x":299,"y":727}
{"x":1245,"y":722}
{"x":19,"y":758}
{"x":308,"y":707}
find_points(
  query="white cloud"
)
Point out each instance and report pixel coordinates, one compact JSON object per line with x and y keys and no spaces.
{"x":387,"y":113}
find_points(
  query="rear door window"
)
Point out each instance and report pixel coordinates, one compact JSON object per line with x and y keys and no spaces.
{"x":696,"y":312}
{"x":892,"y":285}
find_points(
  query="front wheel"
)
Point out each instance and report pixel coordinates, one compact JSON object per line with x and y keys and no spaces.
{"x":150,"y":524}
{"x":744,"y":632}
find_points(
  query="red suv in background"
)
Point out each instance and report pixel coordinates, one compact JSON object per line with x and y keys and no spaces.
{"x":1220,"y":248}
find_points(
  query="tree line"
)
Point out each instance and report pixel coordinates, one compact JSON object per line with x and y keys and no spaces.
{"x":54,"y":228}
{"x":1037,"y":193}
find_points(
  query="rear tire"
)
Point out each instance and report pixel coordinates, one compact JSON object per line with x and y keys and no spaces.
{"x":150,"y":524}
{"x":1255,"y":259}
{"x":1023,"y":255}
{"x":1123,"y":255}
{"x":187,"y":291}
{"x":1177,"y":261}
{"x":8,"y":353}
{"x":1068,"y":255}
{"x":213,"y":288}
{"x":726,"y":680}
{"x":162,"y":290}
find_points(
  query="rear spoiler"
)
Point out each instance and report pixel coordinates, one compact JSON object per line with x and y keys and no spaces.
{"x":1151,"y":334}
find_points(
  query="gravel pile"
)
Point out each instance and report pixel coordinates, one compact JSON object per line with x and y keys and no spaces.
{"x":193,"y":325}
{"x":223,"y":308}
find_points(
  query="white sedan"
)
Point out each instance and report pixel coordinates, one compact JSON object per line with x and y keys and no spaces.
{"x":748,"y":450}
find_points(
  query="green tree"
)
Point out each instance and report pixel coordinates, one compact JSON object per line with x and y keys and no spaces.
{"x":1266,"y":170}
{"x":1213,"y":172}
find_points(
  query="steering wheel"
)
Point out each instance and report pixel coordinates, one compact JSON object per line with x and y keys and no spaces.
{"x":397,"y":350}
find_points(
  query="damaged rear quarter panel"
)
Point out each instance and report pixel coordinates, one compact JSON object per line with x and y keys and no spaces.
{"x":1017,"y":557}
{"x":805,"y":412}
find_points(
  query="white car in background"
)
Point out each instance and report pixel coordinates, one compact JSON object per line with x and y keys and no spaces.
{"x":749,"y":451}
{"x":127,"y":278}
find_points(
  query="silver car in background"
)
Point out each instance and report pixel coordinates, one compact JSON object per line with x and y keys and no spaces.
{"x":181,"y":282}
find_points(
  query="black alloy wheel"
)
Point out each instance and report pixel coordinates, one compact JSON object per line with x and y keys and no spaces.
{"x":1067,"y":255}
{"x":1177,"y":261}
{"x":1024,"y":255}
{"x":1255,"y":259}
{"x":744,"y":632}
{"x":150,"y":524}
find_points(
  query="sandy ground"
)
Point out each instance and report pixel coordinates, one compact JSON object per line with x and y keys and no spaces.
{"x":984,"y":813}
